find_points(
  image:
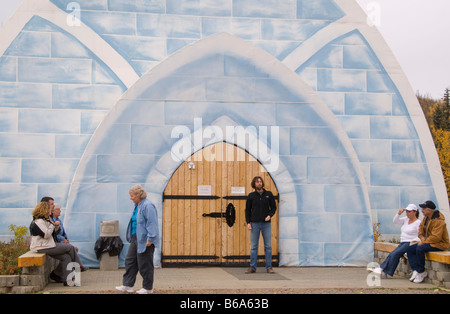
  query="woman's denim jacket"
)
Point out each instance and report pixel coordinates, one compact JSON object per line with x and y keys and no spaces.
{"x":146,"y":225}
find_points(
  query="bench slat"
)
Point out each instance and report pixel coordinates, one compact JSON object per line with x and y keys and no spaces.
{"x":31,"y":259}
{"x":441,"y":256}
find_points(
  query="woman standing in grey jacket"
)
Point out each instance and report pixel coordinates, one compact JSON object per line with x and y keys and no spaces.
{"x":42,"y":241}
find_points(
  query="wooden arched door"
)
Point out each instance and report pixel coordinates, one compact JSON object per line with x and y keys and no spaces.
{"x":195,"y":230}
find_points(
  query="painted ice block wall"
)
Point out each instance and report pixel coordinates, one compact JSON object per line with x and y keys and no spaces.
{"x":87,"y":110}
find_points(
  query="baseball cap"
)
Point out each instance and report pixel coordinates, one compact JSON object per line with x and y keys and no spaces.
{"x":428,"y":204}
{"x":411,"y":207}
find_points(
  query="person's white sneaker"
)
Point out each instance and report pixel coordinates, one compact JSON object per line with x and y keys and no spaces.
{"x":125,"y":289}
{"x":378,"y":271}
{"x":414,"y":275}
{"x":420,"y":277}
{"x":144,"y":291}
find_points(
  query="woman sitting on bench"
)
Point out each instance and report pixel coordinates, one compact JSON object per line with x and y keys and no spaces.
{"x":42,"y":230}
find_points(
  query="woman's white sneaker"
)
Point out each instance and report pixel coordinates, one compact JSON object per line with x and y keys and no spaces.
{"x":414,"y":275}
{"x":144,"y":291}
{"x":125,"y":289}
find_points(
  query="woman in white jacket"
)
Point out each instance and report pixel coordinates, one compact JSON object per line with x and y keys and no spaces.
{"x":410,"y":230}
{"x":42,"y":241}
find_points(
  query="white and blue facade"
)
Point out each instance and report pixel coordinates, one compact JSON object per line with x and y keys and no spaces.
{"x":87,"y":110}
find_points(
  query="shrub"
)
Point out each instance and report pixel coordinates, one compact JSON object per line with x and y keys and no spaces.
{"x":10,"y":251}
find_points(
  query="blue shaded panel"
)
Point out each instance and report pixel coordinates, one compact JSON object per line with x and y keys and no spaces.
{"x":142,"y":112}
{"x":8,"y":120}
{"x":169,"y":26}
{"x":290,"y":30}
{"x":84,"y":4}
{"x":8,"y":69}
{"x":90,"y":121}
{"x":64,"y":46}
{"x":151,"y":49}
{"x":9,"y":171}
{"x":124,"y":168}
{"x":237,"y":67}
{"x":49,"y":121}
{"x":331,"y":56}
{"x":199,"y":7}
{"x":348,"y":254}
{"x":399,"y":175}
{"x":310,"y":254}
{"x":110,"y":22}
{"x":249,"y":29}
{"x":70,"y":146}
{"x":331,"y":171}
{"x":63,"y":71}
{"x":387,"y":226}
{"x":379,"y":82}
{"x":25,"y":95}
{"x":58,"y":191}
{"x":48,"y":170}
{"x":407,"y":151}
{"x":392,"y":128}
{"x":318,"y":227}
{"x":416,"y":195}
{"x":344,"y":199}
{"x":265,"y":8}
{"x":341,"y":80}
{"x":176,"y":88}
{"x":148,"y":6}
{"x":30,"y":44}
{"x":85,"y":96}
{"x":368,"y":104}
{"x":9,"y":193}
{"x":319,"y":10}
{"x":373,"y":150}
{"x":304,"y":142}
{"x":310,"y":198}
{"x":278,"y":49}
{"x":94,"y":198}
{"x":18,"y":217}
{"x":82,"y":228}
{"x":298,"y":115}
{"x":360,"y":57}
{"x":117,"y":141}
{"x":356,"y":126}
{"x":356,"y":228}
{"x":151,"y":139}
{"x":297,"y":166}
{"x":383,"y":197}
{"x":26,"y":145}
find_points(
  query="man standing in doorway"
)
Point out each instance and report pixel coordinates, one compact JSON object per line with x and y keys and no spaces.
{"x":259,"y":210}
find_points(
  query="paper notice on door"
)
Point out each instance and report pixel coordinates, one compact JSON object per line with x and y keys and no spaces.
{"x":204,"y":190}
{"x":238,"y":190}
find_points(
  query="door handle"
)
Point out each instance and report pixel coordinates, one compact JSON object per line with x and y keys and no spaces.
{"x":229,"y":214}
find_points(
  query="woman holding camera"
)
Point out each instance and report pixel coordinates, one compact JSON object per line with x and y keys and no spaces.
{"x":42,"y":230}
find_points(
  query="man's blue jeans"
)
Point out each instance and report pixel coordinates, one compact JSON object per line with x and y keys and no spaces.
{"x":266,"y":229}
{"x":416,"y":256}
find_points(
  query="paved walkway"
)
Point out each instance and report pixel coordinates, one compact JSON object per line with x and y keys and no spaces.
{"x":212,"y":280}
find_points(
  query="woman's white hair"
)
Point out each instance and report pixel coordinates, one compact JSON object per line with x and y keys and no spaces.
{"x":138,"y":191}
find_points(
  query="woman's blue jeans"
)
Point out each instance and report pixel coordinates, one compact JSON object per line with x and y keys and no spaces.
{"x":266,"y":229}
{"x":390,"y":264}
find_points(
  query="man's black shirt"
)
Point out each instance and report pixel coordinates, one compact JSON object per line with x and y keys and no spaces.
{"x":259,"y":206}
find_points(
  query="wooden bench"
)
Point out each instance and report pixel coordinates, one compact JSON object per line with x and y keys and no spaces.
{"x":440,"y":257}
{"x":437,"y":264}
{"x":30,"y":259}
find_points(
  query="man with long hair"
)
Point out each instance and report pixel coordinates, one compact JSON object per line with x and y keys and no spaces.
{"x":259,"y":210}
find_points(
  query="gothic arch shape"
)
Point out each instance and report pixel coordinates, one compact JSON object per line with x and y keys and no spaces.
{"x":133,"y":144}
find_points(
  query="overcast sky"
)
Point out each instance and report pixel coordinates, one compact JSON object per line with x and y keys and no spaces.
{"x":416,"y":30}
